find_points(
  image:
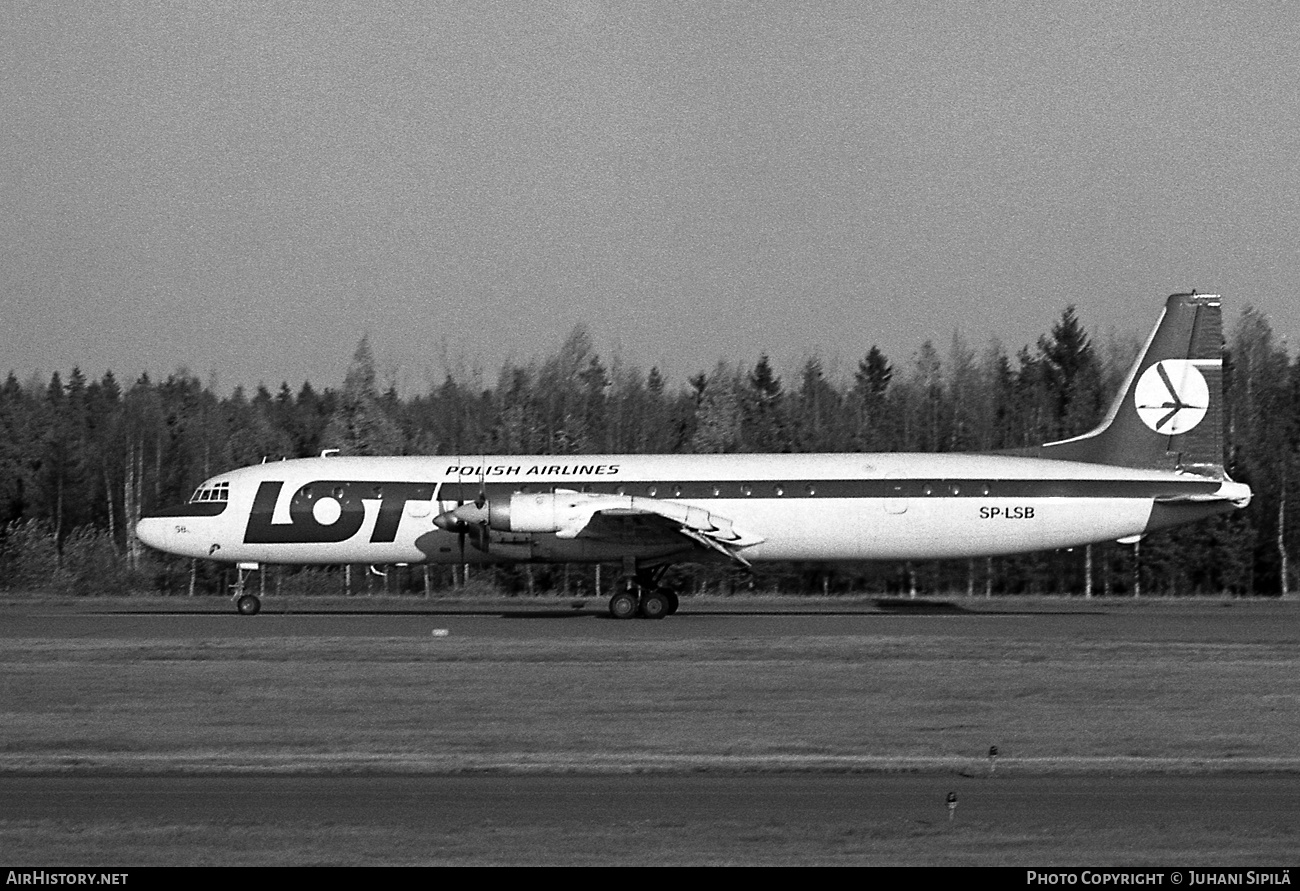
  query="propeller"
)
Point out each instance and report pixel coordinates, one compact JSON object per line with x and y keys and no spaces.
{"x":454,"y":520}
{"x":479,"y":500}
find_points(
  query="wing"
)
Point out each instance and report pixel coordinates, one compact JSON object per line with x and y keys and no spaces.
{"x":648,"y":520}
{"x":617,"y":519}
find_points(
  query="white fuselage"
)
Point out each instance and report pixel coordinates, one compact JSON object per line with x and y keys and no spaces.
{"x":786,"y":507}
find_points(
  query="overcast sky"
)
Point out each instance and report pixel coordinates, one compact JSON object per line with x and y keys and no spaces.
{"x":244,"y":189}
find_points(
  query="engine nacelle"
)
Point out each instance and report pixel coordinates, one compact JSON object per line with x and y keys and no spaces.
{"x":541,"y":512}
{"x":560,"y":513}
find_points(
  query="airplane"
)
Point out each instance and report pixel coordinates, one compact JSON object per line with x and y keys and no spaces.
{"x":1154,"y":461}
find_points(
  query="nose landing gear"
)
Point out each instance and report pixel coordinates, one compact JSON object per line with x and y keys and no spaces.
{"x":245,"y":604}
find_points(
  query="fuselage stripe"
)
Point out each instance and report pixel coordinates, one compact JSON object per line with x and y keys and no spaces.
{"x":860,"y":488}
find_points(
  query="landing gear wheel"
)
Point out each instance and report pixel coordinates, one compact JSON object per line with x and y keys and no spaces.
{"x":624,"y":605}
{"x":655,"y":605}
{"x":671,"y":595}
{"x":248,"y":605}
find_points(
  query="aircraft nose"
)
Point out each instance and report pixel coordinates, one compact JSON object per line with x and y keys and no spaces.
{"x":153,"y":532}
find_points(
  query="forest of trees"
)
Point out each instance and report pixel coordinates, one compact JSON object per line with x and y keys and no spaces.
{"x":80,"y":459}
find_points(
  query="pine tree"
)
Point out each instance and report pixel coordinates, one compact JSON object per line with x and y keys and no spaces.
{"x":720,"y":416}
{"x":359,"y":424}
{"x":874,"y":428}
{"x":820,"y":426}
{"x":19,"y":450}
{"x":1071,"y":376}
{"x":764,"y":427}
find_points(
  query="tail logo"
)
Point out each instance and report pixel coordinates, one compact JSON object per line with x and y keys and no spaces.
{"x":1172,"y":396}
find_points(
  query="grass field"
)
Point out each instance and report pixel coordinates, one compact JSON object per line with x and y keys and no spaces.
{"x":617,"y":701}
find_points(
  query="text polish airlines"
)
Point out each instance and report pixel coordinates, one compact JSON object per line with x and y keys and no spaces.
{"x":1155,"y":461}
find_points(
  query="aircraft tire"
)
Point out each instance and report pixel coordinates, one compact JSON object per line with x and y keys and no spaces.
{"x":248,"y":605}
{"x":654,"y":605}
{"x":623,"y":605}
{"x":671,"y":596}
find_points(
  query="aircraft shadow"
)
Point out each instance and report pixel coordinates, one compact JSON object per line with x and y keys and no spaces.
{"x":570,"y":613}
{"x":910,"y":607}
{"x":885,"y":606}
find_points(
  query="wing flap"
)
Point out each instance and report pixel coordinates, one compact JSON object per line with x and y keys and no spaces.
{"x":650,"y":518}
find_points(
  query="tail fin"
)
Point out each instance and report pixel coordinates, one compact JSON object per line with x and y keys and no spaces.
{"x":1169,"y":412}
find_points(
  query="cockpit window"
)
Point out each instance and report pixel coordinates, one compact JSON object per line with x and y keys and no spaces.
{"x":214,"y":492}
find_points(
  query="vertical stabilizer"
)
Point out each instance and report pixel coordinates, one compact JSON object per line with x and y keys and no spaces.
{"x":1169,"y":412}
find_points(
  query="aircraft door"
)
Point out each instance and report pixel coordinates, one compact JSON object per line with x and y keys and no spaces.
{"x":895,"y":496}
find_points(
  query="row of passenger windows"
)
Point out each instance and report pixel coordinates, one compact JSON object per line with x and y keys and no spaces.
{"x":953,"y":489}
{"x":217,"y":492}
{"x":731,"y":490}
{"x":220,"y":492}
{"x":780,"y":489}
{"x":665,"y":490}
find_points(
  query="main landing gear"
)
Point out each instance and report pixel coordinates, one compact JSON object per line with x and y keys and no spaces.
{"x":644,"y":597}
{"x":245,"y":604}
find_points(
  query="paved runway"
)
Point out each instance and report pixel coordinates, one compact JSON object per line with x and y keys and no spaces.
{"x":443,"y":802}
{"x":760,"y":818}
{"x":1204,"y":621}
